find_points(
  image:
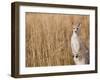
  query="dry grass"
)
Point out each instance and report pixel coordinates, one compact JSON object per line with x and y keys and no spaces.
{"x":48,"y":38}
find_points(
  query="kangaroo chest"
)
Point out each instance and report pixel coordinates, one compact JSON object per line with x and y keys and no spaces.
{"x":75,"y":43}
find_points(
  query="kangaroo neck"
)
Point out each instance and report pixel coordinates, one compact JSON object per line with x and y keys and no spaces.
{"x":75,"y":33}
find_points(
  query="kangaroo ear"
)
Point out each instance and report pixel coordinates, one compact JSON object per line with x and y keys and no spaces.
{"x":79,"y":25}
{"x":73,"y":25}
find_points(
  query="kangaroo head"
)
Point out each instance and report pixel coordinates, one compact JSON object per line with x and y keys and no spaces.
{"x":76,"y":28}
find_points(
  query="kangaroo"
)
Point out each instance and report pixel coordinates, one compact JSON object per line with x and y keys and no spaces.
{"x":79,"y":51}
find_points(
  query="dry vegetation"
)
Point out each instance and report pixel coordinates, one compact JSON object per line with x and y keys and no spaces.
{"x":48,"y":38}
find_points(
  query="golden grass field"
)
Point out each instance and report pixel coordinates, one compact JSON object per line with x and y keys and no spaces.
{"x":48,"y":38}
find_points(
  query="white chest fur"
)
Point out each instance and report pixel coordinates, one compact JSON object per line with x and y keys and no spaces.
{"x":75,"y":43}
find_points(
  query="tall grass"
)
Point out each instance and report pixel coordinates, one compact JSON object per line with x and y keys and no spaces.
{"x":48,"y":38}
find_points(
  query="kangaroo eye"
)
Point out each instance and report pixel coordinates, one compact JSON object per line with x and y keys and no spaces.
{"x":76,"y":56}
{"x":73,"y":56}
